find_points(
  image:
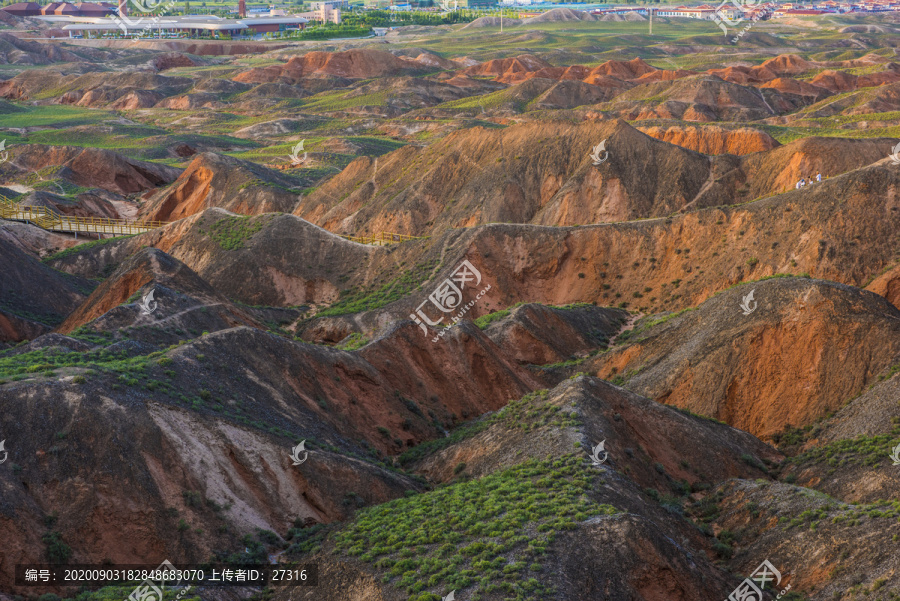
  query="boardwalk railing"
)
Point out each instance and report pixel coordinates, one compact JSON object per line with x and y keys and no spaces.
{"x":382,"y":239}
{"x":54,"y":222}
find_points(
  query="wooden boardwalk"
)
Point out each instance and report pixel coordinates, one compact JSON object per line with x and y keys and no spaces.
{"x":52,"y":221}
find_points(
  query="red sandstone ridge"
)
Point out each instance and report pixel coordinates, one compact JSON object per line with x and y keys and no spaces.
{"x":95,"y":168}
{"x":538,"y":335}
{"x":190,"y":102}
{"x":138,"y":99}
{"x":612,"y":73}
{"x":625,"y":69}
{"x":511,"y":175}
{"x":839,"y":81}
{"x":477,"y":176}
{"x":883,"y":99}
{"x":214,"y":180}
{"x":712,"y":139}
{"x":507,"y":67}
{"x":755,"y":371}
{"x":784,"y":65}
{"x":352,"y":64}
{"x":788,"y":66}
{"x":172,"y":60}
{"x":266,"y":269}
{"x":887,"y":285}
{"x":702,"y":98}
{"x":664,"y":75}
{"x":836,"y":81}
{"x":788,"y":85}
{"x":185,"y":294}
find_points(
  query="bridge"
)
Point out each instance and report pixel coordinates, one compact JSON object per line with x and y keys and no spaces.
{"x":52,"y":221}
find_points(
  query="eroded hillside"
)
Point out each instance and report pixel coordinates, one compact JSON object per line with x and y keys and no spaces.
{"x":457,"y":312}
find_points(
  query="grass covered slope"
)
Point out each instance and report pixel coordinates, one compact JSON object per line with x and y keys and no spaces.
{"x":519,"y":512}
{"x":487,"y":534}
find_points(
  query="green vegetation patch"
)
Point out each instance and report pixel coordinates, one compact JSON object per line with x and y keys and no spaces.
{"x":343,"y":100}
{"x":828,"y":509}
{"x":862,"y":450}
{"x":488,"y":534}
{"x":48,"y":319}
{"x":529,"y":413}
{"x":33,"y":363}
{"x":155,"y":373}
{"x":329,"y":31}
{"x":647,"y":323}
{"x":232,"y":233}
{"x":485,"y":320}
{"x":406,"y":283}
{"x":463,"y":432}
{"x":74,"y":250}
{"x":353,"y":342}
{"x":56,"y":115}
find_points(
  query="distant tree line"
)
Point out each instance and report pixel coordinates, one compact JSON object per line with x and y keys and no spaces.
{"x":383,"y":18}
{"x":330,"y":30}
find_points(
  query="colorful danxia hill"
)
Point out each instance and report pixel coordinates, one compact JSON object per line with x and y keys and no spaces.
{"x":572,"y":307}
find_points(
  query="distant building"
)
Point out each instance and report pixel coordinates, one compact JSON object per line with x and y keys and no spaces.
{"x":78,"y":9}
{"x":332,"y":3}
{"x":703,"y":11}
{"x":194,"y":26}
{"x":621,"y":10}
{"x":68,"y":9}
{"x":331,"y":16}
{"x":325,"y":13}
{"x":94,"y":9}
{"x":23,"y":9}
